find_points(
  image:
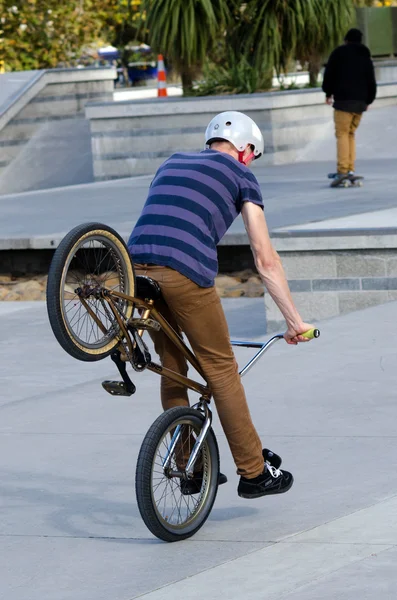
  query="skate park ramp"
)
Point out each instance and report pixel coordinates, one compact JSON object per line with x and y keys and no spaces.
{"x":45,"y":139}
{"x":375,"y":138}
{"x":58,"y":154}
{"x":12,"y":84}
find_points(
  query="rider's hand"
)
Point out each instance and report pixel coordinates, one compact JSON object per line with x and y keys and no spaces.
{"x":329,"y":100}
{"x":292,"y":335}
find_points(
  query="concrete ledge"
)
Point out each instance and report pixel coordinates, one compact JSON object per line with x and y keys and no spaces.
{"x":53,"y":76}
{"x":324,"y":282}
{"x":214,"y":104}
{"x":299,"y":245}
{"x":37,"y":140}
{"x":385,"y":71}
{"x":317,"y":306}
{"x":353,"y":239}
{"x":126,"y":134}
{"x":330,"y":283}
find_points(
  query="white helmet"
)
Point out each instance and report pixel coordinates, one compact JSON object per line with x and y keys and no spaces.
{"x":237,"y":128}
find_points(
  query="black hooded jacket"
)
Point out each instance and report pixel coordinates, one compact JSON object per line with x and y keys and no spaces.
{"x":349,"y":77}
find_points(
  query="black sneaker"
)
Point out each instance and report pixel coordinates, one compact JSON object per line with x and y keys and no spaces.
{"x":271,"y":458}
{"x":340,"y":179}
{"x":271,"y":481}
{"x":193,"y":486}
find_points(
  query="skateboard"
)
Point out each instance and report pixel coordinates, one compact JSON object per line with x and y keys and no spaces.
{"x":346,"y":180}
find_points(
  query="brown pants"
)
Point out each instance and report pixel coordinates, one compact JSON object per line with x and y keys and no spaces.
{"x":345,"y":127}
{"x":198,"y":313}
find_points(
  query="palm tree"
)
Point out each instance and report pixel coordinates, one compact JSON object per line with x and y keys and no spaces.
{"x":185,"y":31}
{"x":276,"y":31}
{"x":273,"y":28}
{"x":332,"y":20}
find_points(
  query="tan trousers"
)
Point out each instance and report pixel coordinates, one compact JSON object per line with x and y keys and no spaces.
{"x":345,"y":127}
{"x":198,"y":313}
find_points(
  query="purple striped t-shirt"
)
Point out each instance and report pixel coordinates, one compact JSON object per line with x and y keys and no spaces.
{"x":193,"y":200}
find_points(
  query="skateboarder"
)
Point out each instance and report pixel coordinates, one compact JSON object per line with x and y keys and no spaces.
{"x":350,"y":87}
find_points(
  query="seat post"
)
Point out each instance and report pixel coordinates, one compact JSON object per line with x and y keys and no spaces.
{"x":145,"y":315}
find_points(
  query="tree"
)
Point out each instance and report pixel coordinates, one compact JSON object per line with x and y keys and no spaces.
{"x":233,"y":66}
{"x":45,"y":33}
{"x":185,"y":31}
{"x":332,"y":20}
{"x":272,"y":28}
{"x":277,"y":31}
{"x":41,"y":34}
{"x":121,"y":21}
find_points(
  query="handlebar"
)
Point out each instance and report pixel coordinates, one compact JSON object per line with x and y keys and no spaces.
{"x":312,"y":333}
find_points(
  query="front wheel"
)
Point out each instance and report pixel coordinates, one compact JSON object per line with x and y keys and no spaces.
{"x":90,"y":258}
{"x":170,"y":514}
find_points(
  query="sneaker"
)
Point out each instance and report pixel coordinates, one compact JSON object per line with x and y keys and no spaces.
{"x":271,"y":458}
{"x":340,"y":178}
{"x":193,"y":486}
{"x":332,"y":175}
{"x":271,"y":481}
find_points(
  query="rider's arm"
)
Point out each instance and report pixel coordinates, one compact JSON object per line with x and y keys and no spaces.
{"x":269,"y":266}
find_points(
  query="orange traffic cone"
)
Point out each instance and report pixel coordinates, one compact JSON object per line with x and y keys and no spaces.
{"x":161,"y":82}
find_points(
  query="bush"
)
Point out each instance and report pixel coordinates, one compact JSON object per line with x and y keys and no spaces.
{"x":238,"y":77}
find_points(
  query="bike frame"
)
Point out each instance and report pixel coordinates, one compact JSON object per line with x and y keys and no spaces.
{"x":150,"y":313}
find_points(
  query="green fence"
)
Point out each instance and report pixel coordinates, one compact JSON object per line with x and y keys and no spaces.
{"x":394,"y":27}
{"x":379,"y":26}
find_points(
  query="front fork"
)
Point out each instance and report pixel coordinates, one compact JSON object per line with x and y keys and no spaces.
{"x":188,"y":473}
{"x":203,"y":407}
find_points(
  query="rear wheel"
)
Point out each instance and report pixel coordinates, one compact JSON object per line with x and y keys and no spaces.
{"x":90,"y":258}
{"x":167,"y":512}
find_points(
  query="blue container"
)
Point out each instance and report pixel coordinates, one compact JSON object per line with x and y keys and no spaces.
{"x":138,"y":71}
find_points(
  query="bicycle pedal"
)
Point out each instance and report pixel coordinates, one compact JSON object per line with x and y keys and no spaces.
{"x":118,"y":388}
{"x":149,"y":324}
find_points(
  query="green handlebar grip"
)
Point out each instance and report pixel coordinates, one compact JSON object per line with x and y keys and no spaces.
{"x":312,"y":333}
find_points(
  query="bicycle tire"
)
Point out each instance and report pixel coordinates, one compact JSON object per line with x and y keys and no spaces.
{"x":144,"y":481}
{"x":72,"y":243}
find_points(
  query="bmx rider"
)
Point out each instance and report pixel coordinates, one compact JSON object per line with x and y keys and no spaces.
{"x":192,"y":201}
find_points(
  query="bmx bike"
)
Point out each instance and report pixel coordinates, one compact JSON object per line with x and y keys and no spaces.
{"x":98,"y":308}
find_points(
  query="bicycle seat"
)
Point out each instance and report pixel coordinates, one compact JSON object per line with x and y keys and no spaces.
{"x":147,"y":288}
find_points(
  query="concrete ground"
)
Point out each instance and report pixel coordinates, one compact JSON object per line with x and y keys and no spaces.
{"x":70,"y":527}
{"x":293,"y":194}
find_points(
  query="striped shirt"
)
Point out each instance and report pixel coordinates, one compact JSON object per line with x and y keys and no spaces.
{"x":192,"y":202}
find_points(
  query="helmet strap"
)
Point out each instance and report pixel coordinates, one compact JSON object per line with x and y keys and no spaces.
{"x":241,"y":159}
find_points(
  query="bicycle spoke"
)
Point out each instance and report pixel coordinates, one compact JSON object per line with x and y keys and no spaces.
{"x":92,"y":329}
{"x":83,"y":320}
{"x":176,"y":504}
{"x":95,"y":306}
{"x":158,"y":484}
{"x":78,"y":313}
{"x":85,"y":266}
{"x":108,"y":254}
{"x":74,"y":298}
